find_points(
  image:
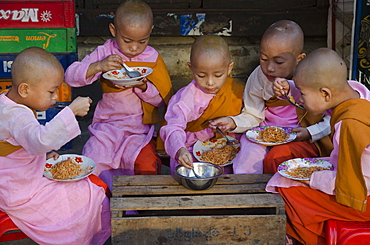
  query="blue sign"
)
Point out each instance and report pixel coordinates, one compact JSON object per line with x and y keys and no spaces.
{"x":361,"y":43}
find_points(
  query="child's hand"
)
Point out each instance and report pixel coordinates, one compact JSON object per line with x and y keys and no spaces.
{"x":224,"y":123}
{"x":53,"y":155}
{"x":112,"y":62}
{"x":302,"y":134}
{"x":185,"y":158}
{"x":279,"y":86}
{"x":142,"y":85}
{"x":80,"y":106}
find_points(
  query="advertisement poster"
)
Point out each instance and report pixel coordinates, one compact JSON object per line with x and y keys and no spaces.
{"x":360,"y":69}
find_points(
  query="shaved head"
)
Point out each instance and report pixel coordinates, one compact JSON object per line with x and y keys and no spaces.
{"x":287,"y":32}
{"x":322,"y":68}
{"x":31,"y":64}
{"x":208,"y":46}
{"x":133,"y":13}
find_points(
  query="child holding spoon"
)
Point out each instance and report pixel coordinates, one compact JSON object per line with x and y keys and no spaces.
{"x":280,"y":51}
{"x":121,"y":134}
{"x":343,"y":193}
{"x":210,"y":95}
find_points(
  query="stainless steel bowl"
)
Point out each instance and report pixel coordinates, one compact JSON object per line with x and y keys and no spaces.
{"x":209,"y":174}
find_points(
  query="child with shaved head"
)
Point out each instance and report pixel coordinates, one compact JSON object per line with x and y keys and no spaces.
{"x":47,"y":211}
{"x":210,"y":95}
{"x":340,"y":194}
{"x":121,"y":134}
{"x":280,"y":51}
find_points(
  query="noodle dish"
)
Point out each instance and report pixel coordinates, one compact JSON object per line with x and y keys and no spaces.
{"x":271,"y":135}
{"x":120,"y":77}
{"x":216,"y":151}
{"x":303,"y":168}
{"x":69,"y":167}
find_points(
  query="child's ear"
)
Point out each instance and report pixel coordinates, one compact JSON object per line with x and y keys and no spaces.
{"x":112,"y":29}
{"x":231,"y":65}
{"x":326,"y":93}
{"x":23,"y":90}
{"x":189,"y":65}
{"x":300,"y":57}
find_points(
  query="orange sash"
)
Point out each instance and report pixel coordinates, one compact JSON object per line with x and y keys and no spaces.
{"x":227,"y":102}
{"x":350,"y":186}
{"x":324,"y":145}
{"x":161,"y":80}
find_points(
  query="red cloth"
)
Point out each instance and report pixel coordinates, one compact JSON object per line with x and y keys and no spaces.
{"x":97,"y":181}
{"x":308,"y":209}
{"x":282,"y":153}
{"x":148,"y":162}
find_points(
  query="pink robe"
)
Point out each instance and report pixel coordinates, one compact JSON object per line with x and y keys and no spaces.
{"x":187,"y":105}
{"x":325,"y":180}
{"x":258,"y":90}
{"x":117,"y":133}
{"x":49,"y":212}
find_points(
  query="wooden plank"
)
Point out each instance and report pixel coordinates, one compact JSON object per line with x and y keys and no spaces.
{"x":196,"y":202}
{"x":179,"y":189}
{"x":230,"y":229}
{"x":147,"y":180}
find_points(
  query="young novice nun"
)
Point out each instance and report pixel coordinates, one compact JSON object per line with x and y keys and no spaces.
{"x":210,"y":95}
{"x":341,"y":194}
{"x":47,"y":211}
{"x":280,"y":51}
{"x":121,"y":134}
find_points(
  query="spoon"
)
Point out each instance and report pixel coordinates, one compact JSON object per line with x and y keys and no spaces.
{"x":196,"y":175}
{"x":130,"y":72}
{"x":228,"y":141}
{"x":291,"y":101}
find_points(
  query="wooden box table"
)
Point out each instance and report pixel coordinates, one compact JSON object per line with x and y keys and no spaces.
{"x":236,"y":210}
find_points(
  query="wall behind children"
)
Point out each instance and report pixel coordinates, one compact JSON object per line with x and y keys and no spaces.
{"x":178,"y":22}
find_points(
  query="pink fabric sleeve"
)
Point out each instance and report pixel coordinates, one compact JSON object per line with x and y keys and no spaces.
{"x":38,"y":139}
{"x":151,"y":95}
{"x":186,"y":105}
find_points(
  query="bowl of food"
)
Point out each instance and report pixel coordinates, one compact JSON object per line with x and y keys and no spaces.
{"x":121,"y":78}
{"x":208,"y":173}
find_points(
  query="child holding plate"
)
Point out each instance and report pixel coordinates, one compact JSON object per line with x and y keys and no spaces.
{"x":210,"y":95}
{"x":121,"y":133}
{"x":341,"y":194}
{"x":280,"y":51}
{"x":47,"y":211}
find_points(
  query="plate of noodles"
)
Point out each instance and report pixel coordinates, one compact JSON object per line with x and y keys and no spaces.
{"x":302,"y":168}
{"x":120,"y":77}
{"x":216,"y":151}
{"x":271,"y":135}
{"x":69,"y":167}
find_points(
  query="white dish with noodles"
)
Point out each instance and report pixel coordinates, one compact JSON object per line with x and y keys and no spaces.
{"x":215,"y":151}
{"x":120,"y":77}
{"x":69,"y":167}
{"x":271,"y":135}
{"x":302,"y":168}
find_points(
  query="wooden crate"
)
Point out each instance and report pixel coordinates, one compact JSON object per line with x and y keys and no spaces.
{"x":54,"y":40}
{"x":237,"y":210}
{"x":35,"y":14}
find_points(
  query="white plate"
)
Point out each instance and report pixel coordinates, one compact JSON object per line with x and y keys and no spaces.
{"x":120,"y":77}
{"x":87,"y":164}
{"x":200,"y":147}
{"x":252,"y":135}
{"x":286,"y":166}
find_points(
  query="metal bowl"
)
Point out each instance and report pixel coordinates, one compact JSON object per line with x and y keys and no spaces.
{"x":209,"y":174}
